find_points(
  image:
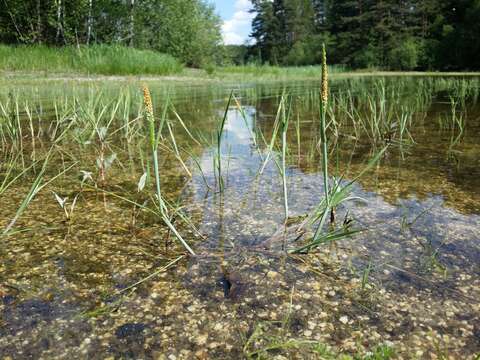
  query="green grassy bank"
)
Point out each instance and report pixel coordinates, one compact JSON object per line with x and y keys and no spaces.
{"x":39,"y":63}
{"x":97,"y":59}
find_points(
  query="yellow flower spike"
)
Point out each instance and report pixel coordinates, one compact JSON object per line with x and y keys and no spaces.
{"x":147,"y":100}
{"x":324,"y":77}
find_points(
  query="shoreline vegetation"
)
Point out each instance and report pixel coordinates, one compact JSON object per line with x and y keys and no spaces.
{"x":103,"y":62}
{"x":96,"y":59}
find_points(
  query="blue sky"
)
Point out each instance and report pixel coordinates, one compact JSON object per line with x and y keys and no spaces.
{"x":236,"y":20}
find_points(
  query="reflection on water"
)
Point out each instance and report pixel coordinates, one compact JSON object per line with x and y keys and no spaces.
{"x":409,"y":191}
{"x":420,"y":208}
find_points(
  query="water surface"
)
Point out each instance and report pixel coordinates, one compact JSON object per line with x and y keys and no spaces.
{"x":409,"y":280}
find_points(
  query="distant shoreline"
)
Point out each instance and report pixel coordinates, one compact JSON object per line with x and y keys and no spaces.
{"x":200,"y":76}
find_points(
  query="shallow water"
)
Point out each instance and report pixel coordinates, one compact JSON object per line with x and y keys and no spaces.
{"x":419,"y":208}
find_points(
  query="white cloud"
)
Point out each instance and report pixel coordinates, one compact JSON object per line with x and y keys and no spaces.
{"x":237,"y":29}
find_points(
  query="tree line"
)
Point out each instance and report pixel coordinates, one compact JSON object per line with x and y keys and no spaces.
{"x":390,"y":34}
{"x":387,"y":34}
{"x":186,"y":29}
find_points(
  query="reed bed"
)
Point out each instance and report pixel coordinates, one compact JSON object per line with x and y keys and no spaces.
{"x":98,"y":131}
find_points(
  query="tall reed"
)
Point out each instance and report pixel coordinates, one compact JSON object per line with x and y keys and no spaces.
{"x":323,"y":130}
{"x":153,"y":142}
{"x":285,"y":120}
{"x":218,"y":156}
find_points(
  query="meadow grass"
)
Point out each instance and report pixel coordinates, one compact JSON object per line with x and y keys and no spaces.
{"x":97,"y":59}
{"x":272,"y":71}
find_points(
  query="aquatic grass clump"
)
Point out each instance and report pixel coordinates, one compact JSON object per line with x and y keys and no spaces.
{"x":217,"y":158}
{"x":38,"y":184}
{"x":340,"y":193}
{"x":153,"y":140}
{"x":323,"y":126}
{"x":334,"y":196}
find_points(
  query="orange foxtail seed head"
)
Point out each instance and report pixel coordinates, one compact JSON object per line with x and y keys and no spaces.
{"x":147,"y":100}
{"x":324,"y":76}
